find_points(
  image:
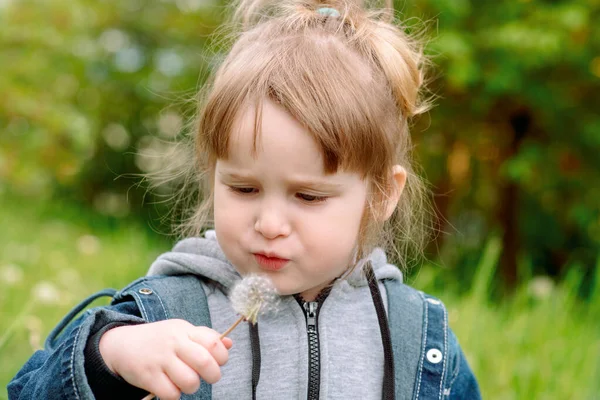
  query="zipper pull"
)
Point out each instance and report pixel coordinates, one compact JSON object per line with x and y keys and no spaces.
{"x":311,"y":314}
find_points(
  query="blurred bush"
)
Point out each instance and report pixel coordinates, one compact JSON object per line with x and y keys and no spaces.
{"x":512,"y":146}
{"x":93,"y":90}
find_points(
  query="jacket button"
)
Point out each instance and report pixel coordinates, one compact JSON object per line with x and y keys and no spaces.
{"x":145,"y":291}
{"x":434,"y":356}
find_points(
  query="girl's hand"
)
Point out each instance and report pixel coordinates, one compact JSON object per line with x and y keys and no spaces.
{"x":165,"y":357}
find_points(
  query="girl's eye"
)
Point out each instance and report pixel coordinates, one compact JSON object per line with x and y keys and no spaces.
{"x":309,"y":198}
{"x":242,"y":190}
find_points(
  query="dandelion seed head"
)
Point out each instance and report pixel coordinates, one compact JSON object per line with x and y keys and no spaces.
{"x":254,"y":295}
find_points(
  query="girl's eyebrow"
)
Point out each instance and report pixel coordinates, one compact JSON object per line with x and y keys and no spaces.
{"x":304,"y":183}
{"x":318,"y":183}
{"x":235,"y":176}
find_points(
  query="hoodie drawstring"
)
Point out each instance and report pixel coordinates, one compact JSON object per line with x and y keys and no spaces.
{"x":255,"y":346}
{"x":388,"y":355}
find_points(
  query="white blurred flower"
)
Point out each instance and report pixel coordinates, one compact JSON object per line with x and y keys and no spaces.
{"x":88,"y":245}
{"x":153,"y":153}
{"x":541,"y":287}
{"x":114,"y":204}
{"x":46,"y":293}
{"x":169,"y":124}
{"x":190,"y":6}
{"x":116,"y":136}
{"x":11,"y":274}
{"x":33,"y":323}
{"x":169,"y":62}
{"x":114,"y":40}
{"x":130,"y":59}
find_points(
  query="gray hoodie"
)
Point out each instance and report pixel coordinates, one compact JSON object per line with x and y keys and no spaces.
{"x":350,"y":343}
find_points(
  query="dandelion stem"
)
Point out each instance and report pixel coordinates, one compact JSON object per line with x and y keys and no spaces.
{"x":232,"y":327}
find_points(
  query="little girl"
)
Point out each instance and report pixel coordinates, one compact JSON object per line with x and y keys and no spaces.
{"x":303,"y":148}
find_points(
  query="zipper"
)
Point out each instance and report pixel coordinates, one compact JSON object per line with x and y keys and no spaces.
{"x":311,"y":313}
{"x":314,"y":363}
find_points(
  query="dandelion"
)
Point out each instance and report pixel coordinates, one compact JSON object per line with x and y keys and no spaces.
{"x":254,"y":295}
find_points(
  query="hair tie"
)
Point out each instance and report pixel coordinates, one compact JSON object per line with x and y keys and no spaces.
{"x":328,"y":12}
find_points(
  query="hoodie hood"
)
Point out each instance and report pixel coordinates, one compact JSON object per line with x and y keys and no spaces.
{"x":204,"y":257}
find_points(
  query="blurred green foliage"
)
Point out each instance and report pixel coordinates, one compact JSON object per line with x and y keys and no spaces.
{"x":87,"y":89}
{"x":512,"y":146}
{"x":94,"y":90}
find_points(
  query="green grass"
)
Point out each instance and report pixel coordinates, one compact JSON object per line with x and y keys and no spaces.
{"x":541,"y":343}
{"x":50,"y":259}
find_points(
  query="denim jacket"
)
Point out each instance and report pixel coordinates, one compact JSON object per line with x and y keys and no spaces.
{"x":427,"y":362}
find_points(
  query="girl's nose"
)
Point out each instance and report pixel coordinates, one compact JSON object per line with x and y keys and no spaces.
{"x":271,"y":223}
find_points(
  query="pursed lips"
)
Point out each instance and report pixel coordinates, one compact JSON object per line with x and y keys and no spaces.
{"x":270,"y":261}
{"x":269,"y":254}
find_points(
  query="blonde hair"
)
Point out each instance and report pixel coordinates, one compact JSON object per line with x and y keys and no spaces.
{"x":354,"y":80}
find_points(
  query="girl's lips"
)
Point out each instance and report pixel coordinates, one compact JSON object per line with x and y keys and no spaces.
{"x":270,"y":263}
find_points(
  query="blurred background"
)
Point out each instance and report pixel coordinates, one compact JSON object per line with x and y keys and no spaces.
{"x":92,"y":92}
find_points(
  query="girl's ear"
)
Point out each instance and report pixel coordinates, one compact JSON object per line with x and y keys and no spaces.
{"x":393,"y":196}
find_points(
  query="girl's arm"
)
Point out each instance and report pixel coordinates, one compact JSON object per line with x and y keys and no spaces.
{"x":461,"y":382}
{"x":60,"y":371}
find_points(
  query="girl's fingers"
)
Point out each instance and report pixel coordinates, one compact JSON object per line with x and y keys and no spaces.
{"x":200,"y":360}
{"x":227,"y":342}
{"x":211,"y":341}
{"x":182,"y":376}
{"x":163,"y":388}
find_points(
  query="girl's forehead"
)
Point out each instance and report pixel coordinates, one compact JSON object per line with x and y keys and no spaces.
{"x":280,"y":145}
{"x":268,"y":134}
{"x":270,"y":126}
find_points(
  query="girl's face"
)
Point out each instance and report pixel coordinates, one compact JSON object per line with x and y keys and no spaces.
{"x":276,"y":210}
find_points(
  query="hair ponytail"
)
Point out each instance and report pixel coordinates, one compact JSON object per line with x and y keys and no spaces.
{"x":373,"y":31}
{"x":401,"y":61}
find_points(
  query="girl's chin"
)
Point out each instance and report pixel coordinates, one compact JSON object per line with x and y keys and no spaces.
{"x":286,"y":289}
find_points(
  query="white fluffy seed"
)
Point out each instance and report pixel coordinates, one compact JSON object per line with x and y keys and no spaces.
{"x":254,"y":295}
